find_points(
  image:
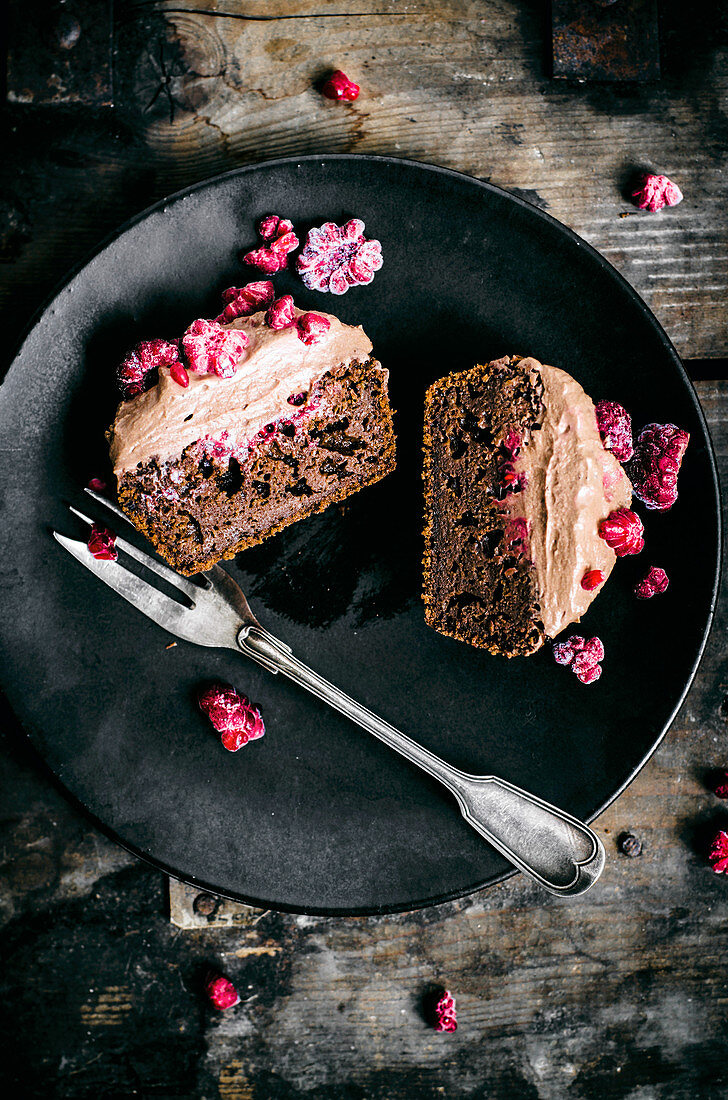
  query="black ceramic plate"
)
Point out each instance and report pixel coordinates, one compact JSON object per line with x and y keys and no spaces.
{"x":318,"y":816}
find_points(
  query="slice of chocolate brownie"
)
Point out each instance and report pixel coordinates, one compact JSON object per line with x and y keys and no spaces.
{"x":208,"y":464}
{"x":517,"y":483}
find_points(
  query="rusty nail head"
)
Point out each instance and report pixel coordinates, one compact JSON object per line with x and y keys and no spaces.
{"x":205,"y":905}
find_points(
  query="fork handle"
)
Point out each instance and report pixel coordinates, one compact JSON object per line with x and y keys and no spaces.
{"x":561,"y":853}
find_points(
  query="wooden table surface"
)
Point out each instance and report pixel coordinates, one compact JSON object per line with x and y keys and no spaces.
{"x":622,"y":995}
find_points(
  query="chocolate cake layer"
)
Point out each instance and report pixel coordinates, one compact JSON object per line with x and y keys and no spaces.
{"x":479,"y":584}
{"x":209,"y":502}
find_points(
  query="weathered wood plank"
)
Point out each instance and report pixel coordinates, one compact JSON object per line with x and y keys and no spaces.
{"x":201,"y":89}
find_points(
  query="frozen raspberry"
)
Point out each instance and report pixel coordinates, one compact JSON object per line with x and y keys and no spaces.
{"x":338,"y":86}
{"x":445,"y":1017}
{"x":97,"y":485}
{"x":654,"y":583}
{"x":336,"y":257}
{"x":179,"y":375}
{"x":592,"y":579}
{"x":563,"y":653}
{"x":138,"y":371}
{"x":718,"y":783}
{"x":615,"y":428}
{"x":279,"y":241}
{"x":297,"y":399}
{"x":221,"y":992}
{"x":281,"y":313}
{"x":593,"y":649}
{"x":243,"y":300}
{"x":272,"y":226}
{"x":581,"y":656}
{"x":658,"y":455}
{"x":312,"y":327}
{"x":584,"y":670}
{"x":623,"y":531}
{"x":718,"y":855}
{"x":102,"y":543}
{"x":211,"y":349}
{"x":654,"y":192}
{"x":232,"y":715}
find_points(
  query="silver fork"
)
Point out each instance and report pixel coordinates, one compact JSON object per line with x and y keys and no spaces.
{"x":558,"y":851}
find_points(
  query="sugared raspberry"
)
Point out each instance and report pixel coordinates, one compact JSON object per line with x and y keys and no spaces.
{"x":563,"y":653}
{"x":279,"y":241}
{"x":338,"y":86}
{"x":592,"y":579}
{"x":232,"y":715}
{"x":312,"y":327}
{"x":718,"y":783}
{"x":581,"y":656}
{"x":586,"y":673}
{"x":623,"y":531}
{"x":102,"y":543}
{"x":593,"y":649}
{"x":654,"y":192}
{"x":297,"y":399}
{"x":615,"y":428}
{"x":273,"y":226}
{"x":211,"y":349}
{"x":179,"y":375}
{"x":658,"y":455}
{"x":336,"y":257}
{"x":138,"y":371}
{"x":444,"y":1013}
{"x":243,"y":300}
{"x":718,"y":855}
{"x":97,"y":484}
{"x":281,"y":313}
{"x":654,"y":583}
{"x":221,"y":992}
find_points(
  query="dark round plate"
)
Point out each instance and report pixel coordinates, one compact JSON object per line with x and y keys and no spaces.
{"x":318,"y":816}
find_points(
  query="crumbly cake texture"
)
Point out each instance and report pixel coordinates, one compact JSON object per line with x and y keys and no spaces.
{"x":203,"y":506}
{"x":479,"y":586}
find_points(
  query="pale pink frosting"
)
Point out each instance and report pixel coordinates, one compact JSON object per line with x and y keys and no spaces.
{"x":572,"y":483}
{"x":275,"y":365}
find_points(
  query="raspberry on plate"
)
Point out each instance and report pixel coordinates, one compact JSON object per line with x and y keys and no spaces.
{"x":336,"y":257}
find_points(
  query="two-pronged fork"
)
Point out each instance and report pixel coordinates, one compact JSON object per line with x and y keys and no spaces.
{"x":554,"y":848}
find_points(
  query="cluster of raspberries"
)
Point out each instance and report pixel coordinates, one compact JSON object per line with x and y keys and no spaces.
{"x":581,"y":656}
{"x":652,"y":461}
{"x":333,"y":259}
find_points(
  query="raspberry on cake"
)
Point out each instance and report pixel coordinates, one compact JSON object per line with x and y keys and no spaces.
{"x":277,"y":421}
{"x":517,"y":481}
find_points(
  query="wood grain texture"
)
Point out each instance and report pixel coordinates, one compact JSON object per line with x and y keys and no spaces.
{"x":206,"y":86}
{"x":621,"y":995}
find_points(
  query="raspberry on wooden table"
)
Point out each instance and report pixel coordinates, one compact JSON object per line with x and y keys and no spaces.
{"x":653,"y":192}
{"x":339,"y":87}
{"x":221,"y":992}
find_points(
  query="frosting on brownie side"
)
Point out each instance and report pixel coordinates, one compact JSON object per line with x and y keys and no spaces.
{"x":570,"y":483}
{"x":275,"y":365}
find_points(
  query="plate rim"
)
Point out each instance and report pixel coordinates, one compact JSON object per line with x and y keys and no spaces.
{"x":644,"y":309}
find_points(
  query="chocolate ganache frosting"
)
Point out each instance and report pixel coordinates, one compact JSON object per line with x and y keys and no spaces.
{"x":275,"y":365}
